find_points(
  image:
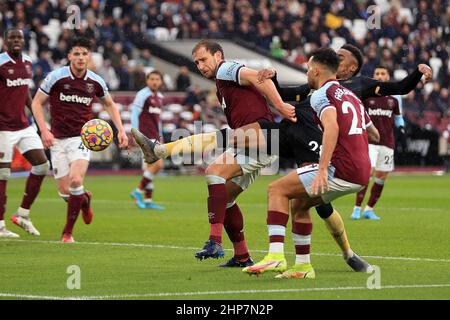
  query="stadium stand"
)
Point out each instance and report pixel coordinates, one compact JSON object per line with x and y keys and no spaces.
{"x":413,"y":32}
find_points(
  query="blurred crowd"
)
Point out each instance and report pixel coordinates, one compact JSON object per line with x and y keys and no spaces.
{"x":409,"y":32}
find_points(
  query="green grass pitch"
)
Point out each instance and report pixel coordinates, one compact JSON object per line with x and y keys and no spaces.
{"x":128,"y":253}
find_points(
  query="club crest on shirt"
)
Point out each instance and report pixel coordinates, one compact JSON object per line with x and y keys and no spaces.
{"x":90,"y":87}
{"x":66,"y":86}
{"x":391,"y":103}
{"x":28,"y":68}
{"x":371,"y":102}
{"x":11,"y":71}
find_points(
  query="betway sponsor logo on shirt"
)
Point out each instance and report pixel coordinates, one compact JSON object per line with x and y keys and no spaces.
{"x":18,"y":82}
{"x":74,"y":98}
{"x":154,"y":110}
{"x":380,"y":112}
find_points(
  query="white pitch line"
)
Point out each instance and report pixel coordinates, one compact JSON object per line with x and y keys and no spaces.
{"x":163,"y":246}
{"x":228,"y":292}
{"x":259,"y":205}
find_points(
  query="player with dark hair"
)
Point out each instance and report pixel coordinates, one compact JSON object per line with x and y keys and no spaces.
{"x":343,"y":168}
{"x":70,"y":91}
{"x":385,"y":112}
{"x":15,"y":130}
{"x":145,"y":112}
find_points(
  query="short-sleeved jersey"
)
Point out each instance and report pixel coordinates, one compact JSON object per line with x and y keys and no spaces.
{"x":242,"y":105}
{"x":146,"y":110}
{"x":382,"y":111}
{"x":15,"y":79}
{"x":71,"y":99}
{"x":351,"y":154}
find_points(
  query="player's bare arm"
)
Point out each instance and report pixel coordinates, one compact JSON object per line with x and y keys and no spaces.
{"x":37,"y":107}
{"x":329,"y":140}
{"x":249,"y":76}
{"x":293,"y":93}
{"x":373,"y":134}
{"x":113,"y":112}
{"x":404,"y":86}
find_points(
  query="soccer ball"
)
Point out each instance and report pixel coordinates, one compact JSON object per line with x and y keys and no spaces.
{"x":96,"y":135}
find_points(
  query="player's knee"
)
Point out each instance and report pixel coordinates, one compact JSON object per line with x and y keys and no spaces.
{"x":76,"y":191}
{"x":213,"y":179}
{"x":41,"y":169}
{"x":5,"y":173}
{"x":214,"y":170}
{"x":76,"y":181}
{"x":324,"y":210}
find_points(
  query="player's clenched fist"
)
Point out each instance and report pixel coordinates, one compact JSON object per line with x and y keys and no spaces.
{"x":426,"y":71}
{"x":288,"y":111}
{"x":123,"y":139}
{"x":267,"y":73}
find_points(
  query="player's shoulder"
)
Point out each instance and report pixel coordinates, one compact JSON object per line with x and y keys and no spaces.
{"x":4,"y":58}
{"x":95,"y":77}
{"x":322,"y":94}
{"x":144,"y":93}
{"x":60,"y":73}
{"x":228,"y":71}
{"x":26,"y":58}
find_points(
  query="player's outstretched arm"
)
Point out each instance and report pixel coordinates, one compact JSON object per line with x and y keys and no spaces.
{"x":295,"y":93}
{"x":328,"y":119}
{"x":377,"y":88}
{"x":249,"y":76}
{"x":37,"y":107}
{"x":113,"y":112}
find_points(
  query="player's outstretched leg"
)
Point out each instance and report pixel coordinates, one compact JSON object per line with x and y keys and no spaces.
{"x":234,"y":226}
{"x":335,"y":226}
{"x":147,"y":146}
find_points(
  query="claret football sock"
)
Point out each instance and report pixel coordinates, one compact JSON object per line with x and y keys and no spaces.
{"x":73,"y":208}
{"x":360,"y":197}
{"x":2,"y":198}
{"x":146,"y":185}
{"x":375,"y":192}
{"x":217,"y":203}
{"x":32,"y":188}
{"x":234,"y":226}
{"x":276,"y":225}
{"x":301,"y":234}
